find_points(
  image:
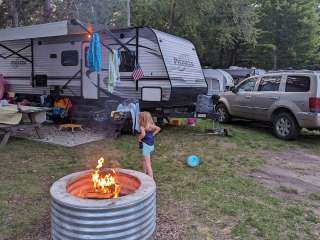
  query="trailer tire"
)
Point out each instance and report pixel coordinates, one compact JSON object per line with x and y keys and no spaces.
{"x":225,"y":116}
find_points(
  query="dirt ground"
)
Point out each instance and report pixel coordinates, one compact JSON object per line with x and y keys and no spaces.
{"x":292,"y":175}
{"x":173,"y":222}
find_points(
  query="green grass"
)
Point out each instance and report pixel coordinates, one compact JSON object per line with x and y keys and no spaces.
{"x":314,"y":196}
{"x":217,"y":194}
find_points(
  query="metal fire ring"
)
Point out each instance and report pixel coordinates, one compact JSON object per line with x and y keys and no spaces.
{"x":129,"y":217}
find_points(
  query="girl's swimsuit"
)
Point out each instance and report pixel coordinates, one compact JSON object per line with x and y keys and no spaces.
{"x":148,"y":144}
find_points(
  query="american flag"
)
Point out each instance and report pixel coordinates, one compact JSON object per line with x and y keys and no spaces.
{"x":137,"y":73}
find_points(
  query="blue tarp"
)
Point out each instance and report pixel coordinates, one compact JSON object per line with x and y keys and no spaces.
{"x":94,"y":53}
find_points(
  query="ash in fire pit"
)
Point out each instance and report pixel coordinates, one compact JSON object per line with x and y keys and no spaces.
{"x":123,"y":207}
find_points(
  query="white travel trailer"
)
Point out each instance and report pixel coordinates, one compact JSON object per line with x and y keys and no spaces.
{"x":51,"y":58}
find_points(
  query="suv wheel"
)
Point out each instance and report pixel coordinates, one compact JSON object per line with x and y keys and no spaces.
{"x":285,"y":126}
{"x":222,"y":110}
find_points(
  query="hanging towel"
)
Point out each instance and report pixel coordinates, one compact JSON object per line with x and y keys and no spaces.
{"x":114,"y":74}
{"x":134,"y":110}
{"x":94,"y":53}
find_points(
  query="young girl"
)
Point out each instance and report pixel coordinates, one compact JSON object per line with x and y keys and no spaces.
{"x":146,"y":140}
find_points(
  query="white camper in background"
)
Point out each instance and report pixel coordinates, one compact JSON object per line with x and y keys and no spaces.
{"x":218,"y":81}
{"x":51,"y":58}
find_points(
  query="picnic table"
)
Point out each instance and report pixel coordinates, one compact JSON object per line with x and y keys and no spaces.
{"x":13,"y":118}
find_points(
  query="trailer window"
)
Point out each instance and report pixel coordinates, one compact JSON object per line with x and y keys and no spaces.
{"x":127,"y":61}
{"x":70,"y":58}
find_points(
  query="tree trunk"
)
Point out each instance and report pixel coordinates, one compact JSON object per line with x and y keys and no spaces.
{"x":172,"y":14}
{"x":234,"y":54}
{"x":275,"y":58}
{"x":47,"y":10}
{"x":13,"y":12}
{"x":221,"y":55}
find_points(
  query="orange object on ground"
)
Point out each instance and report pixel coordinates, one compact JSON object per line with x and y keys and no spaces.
{"x":175,"y":122}
{"x":70,"y":125}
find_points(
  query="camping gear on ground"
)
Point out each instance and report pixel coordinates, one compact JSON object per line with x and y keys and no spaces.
{"x":204,"y":104}
{"x":94,"y":53}
{"x":191,"y":121}
{"x":71,"y":126}
{"x":175,"y":122}
{"x":61,"y":110}
{"x":126,"y":117}
{"x":217,"y":128}
{"x":134,"y":109}
{"x":193,"y":161}
{"x":120,"y":123}
{"x":206,"y":108}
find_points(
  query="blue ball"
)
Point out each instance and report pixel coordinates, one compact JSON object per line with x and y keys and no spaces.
{"x":193,"y":161}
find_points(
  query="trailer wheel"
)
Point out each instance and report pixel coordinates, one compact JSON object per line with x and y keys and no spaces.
{"x":222,"y":110}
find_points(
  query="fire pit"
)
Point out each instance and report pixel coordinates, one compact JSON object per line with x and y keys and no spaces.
{"x":103,"y":204}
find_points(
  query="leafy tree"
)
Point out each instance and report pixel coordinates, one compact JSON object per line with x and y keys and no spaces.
{"x":108,"y":12}
{"x":226,"y":28}
{"x":265,"y":33}
{"x":289,"y":34}
{"x":219,"y":28}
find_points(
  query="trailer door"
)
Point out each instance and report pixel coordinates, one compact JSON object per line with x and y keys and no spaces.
{"x":90,"y":81}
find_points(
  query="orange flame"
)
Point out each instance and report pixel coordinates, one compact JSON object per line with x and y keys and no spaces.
{"x":105,"y":184}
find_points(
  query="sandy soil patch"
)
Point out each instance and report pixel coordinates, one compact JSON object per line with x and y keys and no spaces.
{"x":292,"y":175}
{"x":67,"y":138}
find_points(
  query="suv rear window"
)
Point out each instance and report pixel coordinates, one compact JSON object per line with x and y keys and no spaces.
{"x":298,"y":84}
{"x":269,"y":83}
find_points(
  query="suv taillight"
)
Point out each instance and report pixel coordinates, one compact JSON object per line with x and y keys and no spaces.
{"x":314,"y":104}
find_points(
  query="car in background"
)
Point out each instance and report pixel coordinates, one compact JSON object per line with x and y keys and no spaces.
{"x":289,"y":100}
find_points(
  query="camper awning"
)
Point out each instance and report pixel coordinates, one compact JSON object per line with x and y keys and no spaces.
{"x":39,"y":31}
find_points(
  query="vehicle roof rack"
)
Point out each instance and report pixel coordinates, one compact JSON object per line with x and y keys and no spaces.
{"x":291,"y":70}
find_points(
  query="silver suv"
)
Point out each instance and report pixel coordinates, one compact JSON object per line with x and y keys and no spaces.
{"x":290,"y":100}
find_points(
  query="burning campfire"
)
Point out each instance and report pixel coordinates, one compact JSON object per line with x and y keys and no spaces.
{"x":103,"y":203}
{"x":100,"y":184}
{"x":104,"y":184}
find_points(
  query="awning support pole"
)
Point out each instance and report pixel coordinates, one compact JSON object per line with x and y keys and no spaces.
{"x":137,"y":54}
{"x":32,"y":64}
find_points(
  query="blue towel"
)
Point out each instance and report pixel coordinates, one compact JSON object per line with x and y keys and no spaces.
{"x":94,"y":54}
{"x":134,"y":110}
